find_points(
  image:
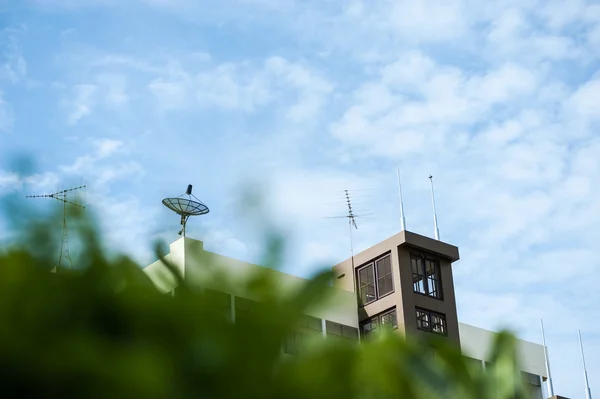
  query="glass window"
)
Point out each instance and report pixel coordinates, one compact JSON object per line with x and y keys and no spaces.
{"x":245,"y":310}
{"x":293,"y":343}
{"x":417,"y":275}
{"x":438,"y":324}
{"x":422,"y":320}
{"x":384,"y":276}
{"x":218,"y":299}
{"x":336,"y":330}
{"x":387,"y":319}
{"x":426,"y":276}
{"x":434,"y":322}
{"x":375,"y":280}
{"x":311,"y":323}
{"x":366,"y":283}
{"x":350,"y":332}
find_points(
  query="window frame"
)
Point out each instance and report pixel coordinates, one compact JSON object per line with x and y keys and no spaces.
{"x":373,"y":265}
{"x":423,"y":262}
{"x":430,"y":324}
{"x":376,"y":321}
{"x":343,"y":331}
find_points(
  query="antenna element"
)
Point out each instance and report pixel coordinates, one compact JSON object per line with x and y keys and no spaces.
{"x":550,"y":386}
{"x":435,"y":223}
{"x":402,"y":219}
{"x":588,"y":391}
{"x":62,"y":196}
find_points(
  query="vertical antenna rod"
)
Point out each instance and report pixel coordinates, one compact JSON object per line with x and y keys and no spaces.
{"x":351,"y":222}
{"x":402,"y":219}
{"x":435,"y":223}
{"x":550,"y":386}
{"x":588,"y":391}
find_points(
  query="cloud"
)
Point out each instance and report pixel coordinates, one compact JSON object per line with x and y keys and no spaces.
{"x":414,"y":101}
{"x":8,"y":181}
{"x":81,"y":103}
{"x":13,"y":67}
{"x":409,"y":18}
{"x":6,"y":119}
{"x":583,"y":104}
{"x":245,"y":87}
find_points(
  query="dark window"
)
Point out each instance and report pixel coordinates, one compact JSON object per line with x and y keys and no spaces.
{"x":337,"y":330}
{"x":426,"y":276}
{"x":307,"y":328}
{"x":245,"y":310}
{"x":384,"y":276}
{"x":294,"y":343}
{"x":375,"y":280}
{"x":430,"y":321}
{"x":387,"y":319}
{"x":311,"y":323}
{"x":366,"y":284}
{"x":218,"y":299}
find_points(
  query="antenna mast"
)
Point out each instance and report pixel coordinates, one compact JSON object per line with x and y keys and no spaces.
{"x":435,"y":223}
{"x":550,"y":386}
{"x":402,"y":219}
{"x":64,"y":247}
{"x":351,"y":222}
{"x":588,"y":391}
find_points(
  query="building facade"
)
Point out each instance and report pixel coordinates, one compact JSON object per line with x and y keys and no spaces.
{"x":404,"y":282}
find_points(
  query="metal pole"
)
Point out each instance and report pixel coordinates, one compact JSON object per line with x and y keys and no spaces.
{"x":402,"y":219}
{"x":588,"y":391}
{"x":549,"y":382}
{"x":435,"y":223}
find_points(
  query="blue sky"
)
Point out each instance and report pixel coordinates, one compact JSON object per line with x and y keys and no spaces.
{"x":303,"y":99}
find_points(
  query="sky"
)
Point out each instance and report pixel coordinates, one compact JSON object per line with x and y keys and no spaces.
{"x":301,"y":100}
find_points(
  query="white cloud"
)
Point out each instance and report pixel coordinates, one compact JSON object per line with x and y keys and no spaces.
{"x":6,"y":119}
{"x":107,"y":147}
{"x":431,"y":20}
{"x":81,"y":102}
{"x":245,"y":87}
{"x":414,"y":104}
{"x":8,"y":181}
{"x":115,"y":87}
{"x":13,"y":67}
{"x":584,"y":104}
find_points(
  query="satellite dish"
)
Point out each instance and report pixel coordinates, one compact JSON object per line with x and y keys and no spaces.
{"x":185,"y":207}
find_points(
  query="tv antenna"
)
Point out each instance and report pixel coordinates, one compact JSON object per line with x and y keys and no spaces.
{"x":62,"y":196}
{"x":351,"y":216}
{"x":185,"y":207}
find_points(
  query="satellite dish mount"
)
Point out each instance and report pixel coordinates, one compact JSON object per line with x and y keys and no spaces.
{"x":185,"y":207}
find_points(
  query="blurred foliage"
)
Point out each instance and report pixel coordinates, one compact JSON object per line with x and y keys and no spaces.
{"x":102,"y":330}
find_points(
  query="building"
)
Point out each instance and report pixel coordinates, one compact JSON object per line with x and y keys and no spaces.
{"x":405,"y":282}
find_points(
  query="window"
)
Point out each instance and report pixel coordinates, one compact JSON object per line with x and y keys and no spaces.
{"x":340,"y":331}
{"x":426,"y":276}
{"x":307,"y":328}
{"x":375,"y":280}
{"x":431,"y":321}
{"x":387,"y":319}
{"x":219,"y":300}
{"x":245,"y":310}
{"x":311,"y":323}
{"x":294,"y":343}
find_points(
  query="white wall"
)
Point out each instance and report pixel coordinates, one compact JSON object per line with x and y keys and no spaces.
{"x":200,"y":267}
{"x":476,"y":342}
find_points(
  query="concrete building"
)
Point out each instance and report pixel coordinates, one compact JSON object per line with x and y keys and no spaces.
{"x":405,"y":282}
